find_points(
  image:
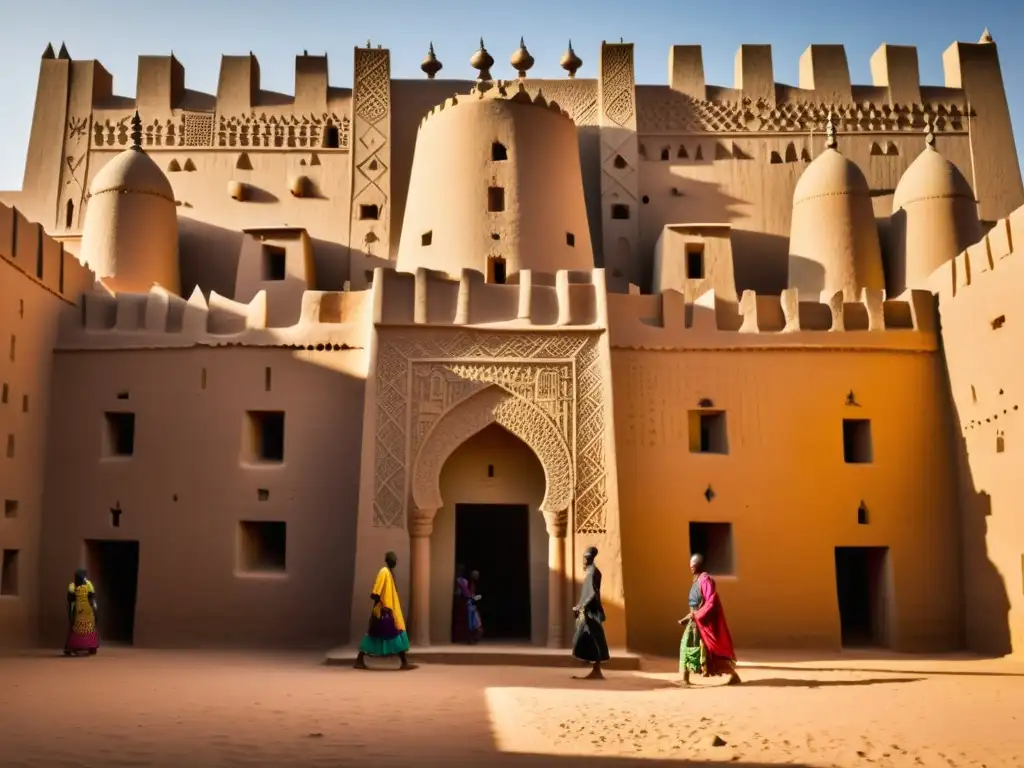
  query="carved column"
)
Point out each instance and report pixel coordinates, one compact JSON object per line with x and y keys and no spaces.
{"x":556,"y":524}
{"x":421,"y":525}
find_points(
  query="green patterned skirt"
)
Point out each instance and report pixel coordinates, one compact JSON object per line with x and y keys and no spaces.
{"x":693,"y":654}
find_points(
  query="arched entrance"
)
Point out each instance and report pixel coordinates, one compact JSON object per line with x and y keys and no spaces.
{"x":490,"y":406}
{"x":492,"y":487}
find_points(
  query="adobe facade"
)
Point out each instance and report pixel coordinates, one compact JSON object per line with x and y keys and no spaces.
{"x":267,"y":338}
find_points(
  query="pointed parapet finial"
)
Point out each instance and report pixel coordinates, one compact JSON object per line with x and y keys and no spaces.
{"x":136,"y":132}
{"x":521,"y":60}
{"x":986,"y":37}
{"x":929,"y":132}
{"x":63,"y":52}
{"x":570,"y":62}
{"x":48,"y":53}
{"x":830,"y":132}
{"x":482,"y":61}
{"x":431,"y":65}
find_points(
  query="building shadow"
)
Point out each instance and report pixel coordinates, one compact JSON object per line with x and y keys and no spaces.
{"x":792,"y":682}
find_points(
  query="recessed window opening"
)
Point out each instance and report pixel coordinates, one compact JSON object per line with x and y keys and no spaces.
{"x":369,"y":212}
{"x":495,"y":199}
{"x":570,"y":239}
{"x":5,"y":394}
{"x":498,"y":152}
{"x":713,"y":541}
{"x":262,"y":494}
{"x":427,"y":238}
{"x":202,"y":379}
{"x":497,"y":270}
{"x":39,"y":253}
{"x":998,"y":322}
{"x":332,"y":138}
{"x":619,"y":162}
{"x":9,"y":573}
{"x":267,"y":378}
{"x":119,"y":434}
{"x":274,"y":262}
{"x":862,"y":514}
{"x":695,"y":261}
{"x":490,"y":470}
{"x":69,"y":214}
{"x":10,"y":446}
{"x":664,"y":153}
{"x":620,"y":211}
{"x":262,"y":546}
{"x":10,"y":508}
{"x":265,"y":436}
{"x":857,"y":447}
{"x":14,"y":346}
{"x":708,"y":433}
{"x":24,"y":403}
{"x":115,"y":516}
{"x":645,"y":199}
{"x":122,"y":395}
{"x":495,"y":236}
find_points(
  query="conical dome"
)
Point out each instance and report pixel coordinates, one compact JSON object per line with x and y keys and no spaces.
{"x":934,"y":217}
{"x":833,"y":243}
{"x":130,"y":237}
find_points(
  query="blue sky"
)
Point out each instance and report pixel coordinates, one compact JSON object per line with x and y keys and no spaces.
{"x":199,"y":32}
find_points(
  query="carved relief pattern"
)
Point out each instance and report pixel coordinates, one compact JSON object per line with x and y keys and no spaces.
{"x":74,"y":171}
{"x":617,"y":84}
{"x":196,"y":129}
{"x":371,"y":95}
{"x":577,"y":97}
{"x":662,"y":110}
{"x":522,"y":418}
{"x":557,"y":373}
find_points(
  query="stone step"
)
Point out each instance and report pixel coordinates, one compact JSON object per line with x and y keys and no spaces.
{"x":493,"y":654}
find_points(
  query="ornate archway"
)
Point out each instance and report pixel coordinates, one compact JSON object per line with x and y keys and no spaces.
{"x":523,"y":419}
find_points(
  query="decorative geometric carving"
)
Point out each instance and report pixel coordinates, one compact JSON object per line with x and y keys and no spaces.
{"x":196,"y":129}
{"x":372,"y":84}
{"x":371,"y":110}
{"x":617,"y":84}
{"x":662,"y":110}
{"x":74,"y":173}
{"x":522,"y":418}
{"x":421,"y":376}
{"x":577,"y":97}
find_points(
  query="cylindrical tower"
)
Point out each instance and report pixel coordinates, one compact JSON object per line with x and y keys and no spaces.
{"x":496,"y":186}
{"x":833,"y":242}
{"x":934,"y":217}
{"x":130,"y":237}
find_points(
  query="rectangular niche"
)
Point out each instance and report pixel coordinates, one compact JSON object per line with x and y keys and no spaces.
{"x":9,"y":573}
{"x":262,"y":547}
{"x":708,"y":432}
{"x":263,"y":437}
{"x":495,"y":199}
{"x":273,"y":266}
{"x":714,"y":542}
{"x":695,"y":261}
{"x":119,"y":434}
{"x":857,"y":446}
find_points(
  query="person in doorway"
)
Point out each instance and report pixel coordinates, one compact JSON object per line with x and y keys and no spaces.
{"x":461,"y":601}
{"x":476,"y":624}
{"x":706,"y":647}
{"x":82,"y":609}
{"x":588,"y":643}
{"x":386,"y":634}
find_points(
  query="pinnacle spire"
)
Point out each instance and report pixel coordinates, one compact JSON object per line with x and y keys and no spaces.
{"x":136,"y":132}
{"x":986,"y":37}
{"x":830,"y":132}
{"x":929,"y":132}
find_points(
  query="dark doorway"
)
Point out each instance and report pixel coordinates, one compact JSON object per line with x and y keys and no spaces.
{"x":861,"y":584}
{"x":495,"y":540}
{"x":113,"y":568}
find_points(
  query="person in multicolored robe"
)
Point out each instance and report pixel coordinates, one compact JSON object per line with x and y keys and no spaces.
{"x":706,"y":647}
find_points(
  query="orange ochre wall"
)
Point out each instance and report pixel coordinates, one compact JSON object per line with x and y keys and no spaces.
{"x":786,"y":490}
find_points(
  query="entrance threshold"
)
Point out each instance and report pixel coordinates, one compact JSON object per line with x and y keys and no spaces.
{"x":494,"y":654}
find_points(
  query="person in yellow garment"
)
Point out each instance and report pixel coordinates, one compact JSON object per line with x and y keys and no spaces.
{"x":386,"y":634}
{"x":82,"y":636}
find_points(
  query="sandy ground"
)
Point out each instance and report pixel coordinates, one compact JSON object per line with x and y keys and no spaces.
{"x":129,"y":707}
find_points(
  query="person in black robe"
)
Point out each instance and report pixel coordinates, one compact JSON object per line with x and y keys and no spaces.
{"x":588,"y":643}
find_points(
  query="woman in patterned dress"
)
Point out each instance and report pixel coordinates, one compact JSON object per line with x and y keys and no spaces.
{"x":82,"y":635}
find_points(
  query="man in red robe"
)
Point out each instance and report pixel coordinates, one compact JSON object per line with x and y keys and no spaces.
{"x":706,"y":646}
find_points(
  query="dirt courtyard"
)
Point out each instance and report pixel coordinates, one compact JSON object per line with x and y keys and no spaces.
{"x":129,"y":707}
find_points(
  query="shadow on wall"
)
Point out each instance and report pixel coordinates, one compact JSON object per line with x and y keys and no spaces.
{"x":210,"y":254}
{"x":590,"y":165}
{"x":811,"y":277}
{"x":761,"y":262}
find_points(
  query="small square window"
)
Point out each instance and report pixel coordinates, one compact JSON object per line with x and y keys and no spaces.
{"x":708,"y":433}
{"x":620,"y":211}
{"x":369,"y":212}
{"x":498,"y":152}
{"x":857,"y":447}
{"x":496,"y":268}
{"x":119,"y":435}
{"x":427,"y":238}
{"x":570,"y":239}
{"x":274,"y":263}
{"x":264,"y":436}
{"x":713,"y":542}
{"x":262,"y":546}
{"x":10,"y":508}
